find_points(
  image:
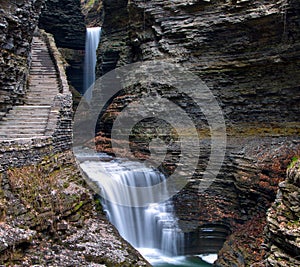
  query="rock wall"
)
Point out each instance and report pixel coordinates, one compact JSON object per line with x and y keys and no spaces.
{"x":247,"y":52}
{"x":283,"y":221}
{"x":93,"y":12}
{"x":18,"y":20}
{"x":256,"y":168}
{"x":52,"y":219}
{"x":227,"y":45}
{"x":65,"y":21}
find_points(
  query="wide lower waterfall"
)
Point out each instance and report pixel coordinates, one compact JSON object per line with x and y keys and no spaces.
{"x":90,"y":59}
{"x":151,"y":229}
{"x":154,"y":226}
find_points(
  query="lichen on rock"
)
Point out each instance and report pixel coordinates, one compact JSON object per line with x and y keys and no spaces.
{"x":283,"y":222}
{"x":54,"y":219}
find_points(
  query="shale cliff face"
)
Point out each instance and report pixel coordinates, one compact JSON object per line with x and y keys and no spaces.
{"x":65,"y":21}
{"x":283,"y":222}
{"x":93,"y":12}
{"x":247,"y":53}
{"x":18,"y":20}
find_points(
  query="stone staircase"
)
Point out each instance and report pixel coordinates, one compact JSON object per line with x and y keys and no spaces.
{"x":31,"y":119}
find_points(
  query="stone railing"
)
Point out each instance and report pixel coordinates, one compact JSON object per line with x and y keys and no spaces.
{"x":58,"y":135}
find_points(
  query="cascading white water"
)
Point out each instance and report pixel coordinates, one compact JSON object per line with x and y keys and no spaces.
{"x":153,"y":230}
{"x":152,"y":227}
{"x":91,"y":44}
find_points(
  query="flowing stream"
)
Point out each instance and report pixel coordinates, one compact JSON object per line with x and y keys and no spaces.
{"x":152,"y":229}
{"x":91,"y":44}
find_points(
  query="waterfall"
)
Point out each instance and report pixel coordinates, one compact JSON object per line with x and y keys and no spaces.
{"x":153,"y":230}
{"x":150,"y":228}
{"x":91,"y":44}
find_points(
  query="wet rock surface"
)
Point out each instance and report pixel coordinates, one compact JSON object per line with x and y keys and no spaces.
{"x":49,"y":217}
{"x":65,"y":21}
{"x":93,"y":12}
{"x":283,"y":221}
{"x":257,"y":170}
{"x":247,"y":53}
{"x":18,"y":20}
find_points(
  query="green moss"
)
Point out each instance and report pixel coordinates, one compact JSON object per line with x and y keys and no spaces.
{"x":66,"y":184}
{"x":98,"y":205}
{"x":78,"y":206}
{"x":293,"y":162}
{"x":294,"y":223}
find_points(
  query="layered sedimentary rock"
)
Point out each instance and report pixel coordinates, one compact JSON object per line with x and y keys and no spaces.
{"x":18,"y":20}
{"x":256,"y":169}
{"x":65,"y":21}
{"x":49,"y":217}
{"x":93,"y":12}
{"x":247,"y":53}
{"x":283,"y":221}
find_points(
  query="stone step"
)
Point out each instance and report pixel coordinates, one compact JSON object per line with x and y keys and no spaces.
{"x":42,"y":69}
{"x":19,"y":136}
{"x":41,"y":79}
{"x":39,"y":100}
{"x":22,"y":131}
{"x":38,"y":95}
{"x":27,"y":112}
{"x":30,"y":122}
{"x":12,"y":126}
{"x":32,"y":107}
{"x":22,"y":120}
{"x":46,"y":62}
{"x":38,"y":92}
{"x":42,"y":66}
{"x":35,"y":102}
{"x":30,"y":115}
{"x":50,"y":74}
{"x":26,"y":119}
{"x":46,"y":84}
{"x":43,"y":88}
{"x":30,"y":111}
{"x":19,"y":133}
{"x":34,"y":112}
{"x":25,"y":124}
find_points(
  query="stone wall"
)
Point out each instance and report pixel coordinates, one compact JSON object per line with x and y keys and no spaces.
{"x":58,"y":136}
{"x":18,"y":20}
{"x":65,"y":21}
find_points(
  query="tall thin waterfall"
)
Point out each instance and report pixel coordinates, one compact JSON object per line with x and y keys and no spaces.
{"x":90,"y":60}
{"x":147,"y":228}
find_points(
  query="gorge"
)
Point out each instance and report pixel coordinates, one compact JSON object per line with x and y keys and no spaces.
{"x":245,"y":52}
